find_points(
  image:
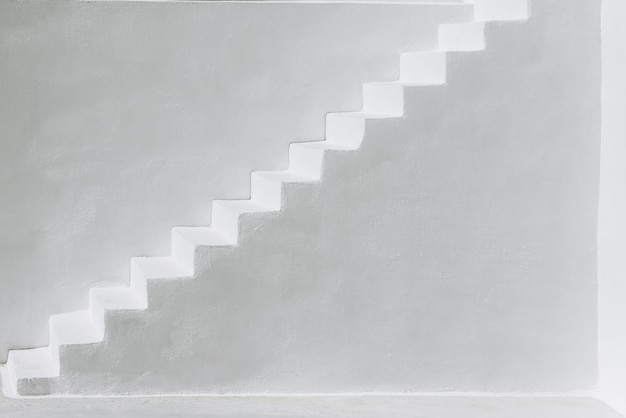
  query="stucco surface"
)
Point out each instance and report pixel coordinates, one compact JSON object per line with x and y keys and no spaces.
{"x":318,"y":407}
{"x":122,"y":120}
{"x":612,"y":228}
{"x":455,"y":250}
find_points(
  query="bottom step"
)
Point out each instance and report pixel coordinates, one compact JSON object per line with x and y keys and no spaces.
{"x":378,"y":406}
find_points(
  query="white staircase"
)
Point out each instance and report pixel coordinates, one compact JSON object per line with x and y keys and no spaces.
{"x":30,"y":372}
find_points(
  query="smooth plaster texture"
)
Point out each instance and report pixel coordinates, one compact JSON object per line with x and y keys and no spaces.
{"x":318,"y":407}
{"x":455,"y":250}
{"x":121,"y":120}
{"x":612,"y":227}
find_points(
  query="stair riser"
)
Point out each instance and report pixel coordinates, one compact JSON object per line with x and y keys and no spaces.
{"x":306,"y":161}
{"x":98,"y":313}
{"x":183,"y":251}
{"x":348,"y":131}
{"x":9,"y":374}
{"x":424,"y":67}
{"x":226,"y":221}
{"x":138,"y":283}
{"x":387,"y":99}
{"x":45,"y":365}
{"x":55,"y":353}
{"x":85,"y":332}
{"x":266,"y":192}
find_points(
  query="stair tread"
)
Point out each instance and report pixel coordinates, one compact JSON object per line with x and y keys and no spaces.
{"x":74,"y":328}
{"x":285,"y":176}
{"x":31,"y":363}
{"x":322,"y":145}
{"x":203,"y":236}
{"x":243,"y":206}
{"x":362,"y":115}
{"x":112,"y":298}
{"x":160,"y":267}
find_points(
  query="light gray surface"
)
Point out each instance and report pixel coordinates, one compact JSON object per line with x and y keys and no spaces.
{"x":318,"y":407}
{"x":455,"y":250}
{"x":122,"y":120}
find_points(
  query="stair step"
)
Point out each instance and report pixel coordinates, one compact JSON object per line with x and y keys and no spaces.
{"x":266,"y":186}
{"x":225,"y":215}
{"x":306,"y":158}
{"x":185,"y":240}
{"x":73,"y":328}
{"x":240,"y":207}
{"x":32,"y":363}
{"x":143,"y":269}
{"x":462,"y":36}
{"x":427,"y":67}
{"x":202,"y":236}
{"x":103,"y":299}
{"x":388,"y":97}
{"x":160,"y":268}
{"x":348,"y":128}
{"x":284,"y":176}
{"x":115,"y":298}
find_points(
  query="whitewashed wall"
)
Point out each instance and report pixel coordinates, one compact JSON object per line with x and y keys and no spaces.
{"x":454,"y":251}
{"x":612,"y":223}
{"x":113,"y":136}
{"x":121,"y":120}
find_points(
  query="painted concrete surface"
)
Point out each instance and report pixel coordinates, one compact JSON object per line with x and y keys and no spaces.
{"x":454,"y":250}
{"x":122,"y":120}
{"x":318,"y":407}
{"x":612,"y":224}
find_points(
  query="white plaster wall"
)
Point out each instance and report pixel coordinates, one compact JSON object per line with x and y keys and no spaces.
{"x":612,"y":224}
{"x":471,"y":268}
{"x":121,"y":120}
{"x":455,"y":250}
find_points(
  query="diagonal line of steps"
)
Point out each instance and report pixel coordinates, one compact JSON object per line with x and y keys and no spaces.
{"x":27,"y":369}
